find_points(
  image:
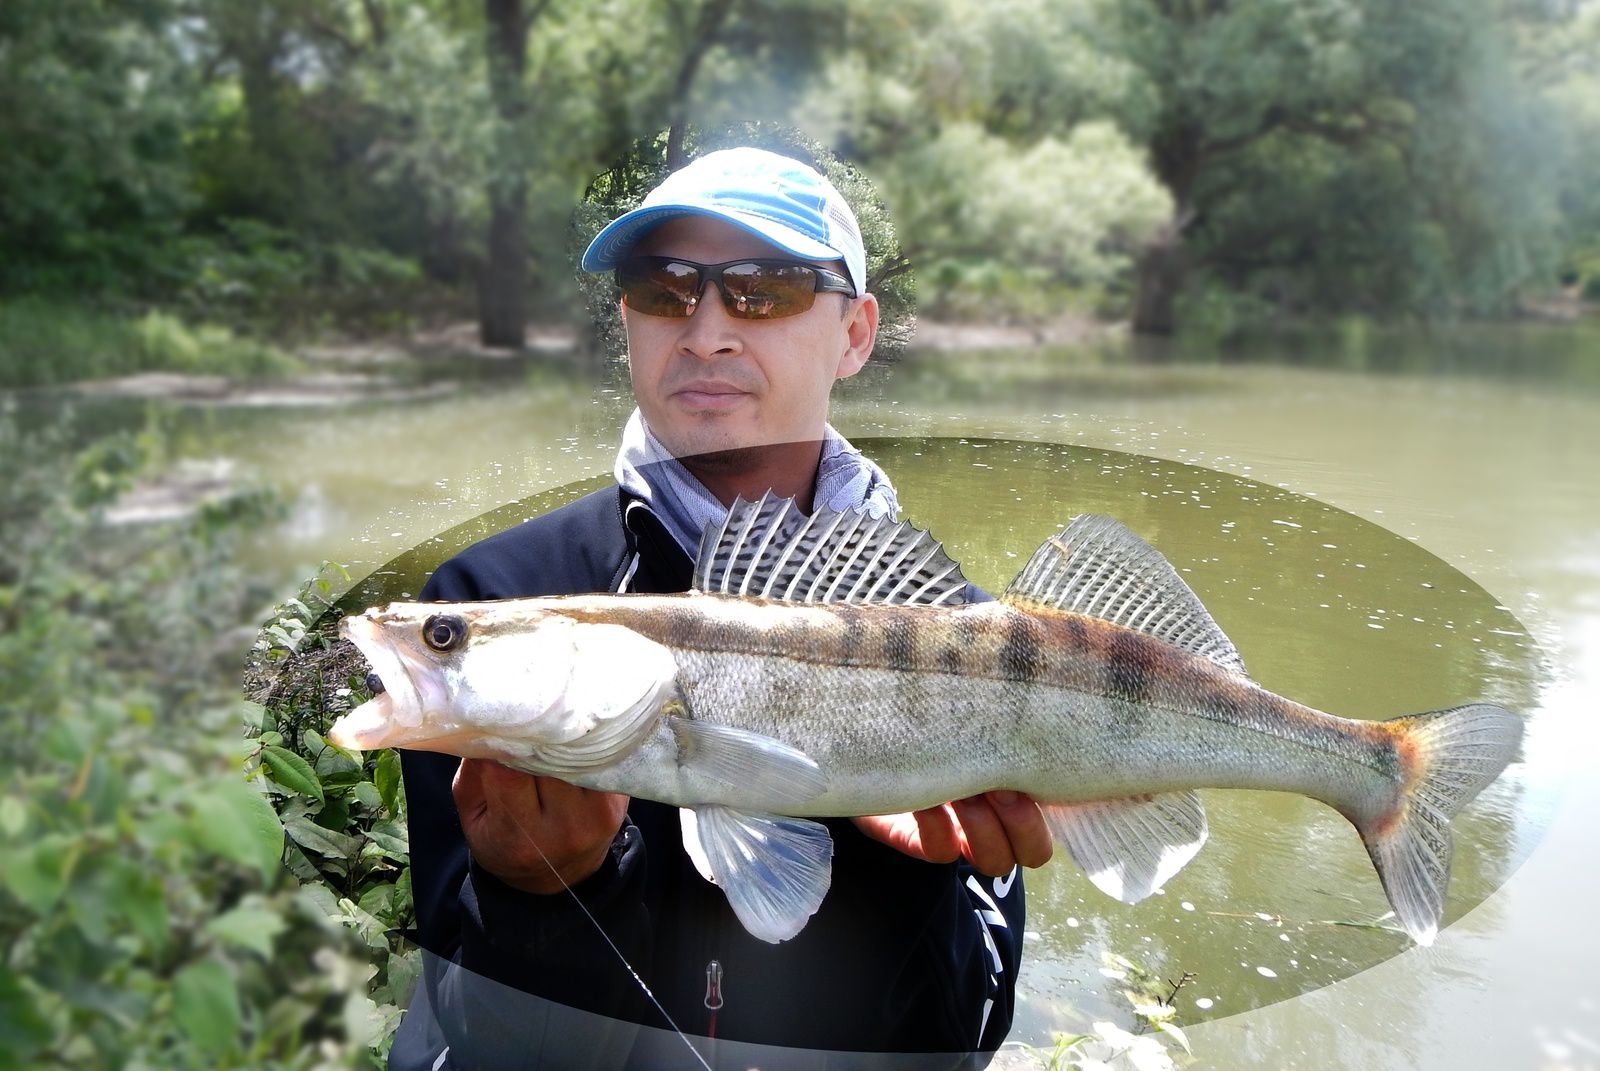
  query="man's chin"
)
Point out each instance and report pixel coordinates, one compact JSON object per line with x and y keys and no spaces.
{"x":724,"y":459}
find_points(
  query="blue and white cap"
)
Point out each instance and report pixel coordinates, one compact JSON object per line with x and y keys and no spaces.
{"x":774,"y":197}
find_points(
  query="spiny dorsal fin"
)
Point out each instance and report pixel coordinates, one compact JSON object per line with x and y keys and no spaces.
{"x":770,"y":550}
{"x":1097,"y":567}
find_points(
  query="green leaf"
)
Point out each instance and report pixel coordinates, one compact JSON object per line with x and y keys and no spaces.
{"x":205,"y":1003}
{"x":386,"y":776}
{"x":95,"y":902}
{"x":144,"y":905}
{"x":403,"y":971}
{"x":392,"y":838}
{"x":331,"y":758}
{"x":376,"y":900}
{"x":370,"y":929}
{"x":300,"y":866}
{"x":308,"y":834}
{"x":367,"y":794}
{"x":323,"y":900}
{"x":235,"y":821}
{"x":252,"y":926}
{"x":402,"y":904}
{"x":334,"y":815}
{"x":340,"y":781}
{"x":292,"y":772}
{"x":13,"y":816}
{"x":37,"y":873}
{"x":23,"y":1027}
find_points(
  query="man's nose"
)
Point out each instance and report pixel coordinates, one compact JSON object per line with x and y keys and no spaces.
{"x":710,"y":330}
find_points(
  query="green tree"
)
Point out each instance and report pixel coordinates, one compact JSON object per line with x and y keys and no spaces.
{"x":1333,"y":153}
{"x":985,"y":124}
{"x":1558,"y":53}
{"x":95,"y":101}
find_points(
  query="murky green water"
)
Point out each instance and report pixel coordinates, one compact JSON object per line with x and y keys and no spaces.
{"x":1382,"y":535}
{"x":1326,"y":608}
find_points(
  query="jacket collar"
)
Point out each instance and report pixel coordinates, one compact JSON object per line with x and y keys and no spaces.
{"x":655,"y":563}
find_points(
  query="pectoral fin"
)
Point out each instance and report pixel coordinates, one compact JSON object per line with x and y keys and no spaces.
{"x":774,"y":870}
{"x":1130,"y":847}
{"x":738,"y":758}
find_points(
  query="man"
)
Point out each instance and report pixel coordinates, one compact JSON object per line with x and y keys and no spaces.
{"x":744,"y":300}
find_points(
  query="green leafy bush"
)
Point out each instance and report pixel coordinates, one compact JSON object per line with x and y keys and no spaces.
{"x":251,"y":273}
{"x":145,"y":918}
{"x":343,"y":811}
{"x":44,"y":342}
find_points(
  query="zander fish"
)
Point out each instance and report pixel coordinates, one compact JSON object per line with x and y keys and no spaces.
{"x":831,"y":665}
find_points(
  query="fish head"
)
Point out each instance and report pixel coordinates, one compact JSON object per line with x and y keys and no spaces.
{"x":522,"y":685}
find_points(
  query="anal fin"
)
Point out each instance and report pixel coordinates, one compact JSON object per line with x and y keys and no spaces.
{"x":774,"y":870}
{"x":1130,"y":847}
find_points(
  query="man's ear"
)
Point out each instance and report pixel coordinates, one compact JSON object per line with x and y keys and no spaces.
{"x":861,"y":334}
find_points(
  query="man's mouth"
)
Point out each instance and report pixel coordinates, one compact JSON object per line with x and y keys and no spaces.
{"x":702,"y":394}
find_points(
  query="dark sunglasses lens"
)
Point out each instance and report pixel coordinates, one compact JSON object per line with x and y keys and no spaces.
{"x":660,"y":288}
{"x":768,"y":291}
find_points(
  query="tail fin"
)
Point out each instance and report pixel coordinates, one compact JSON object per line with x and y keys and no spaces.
{"x":1448,"y":757}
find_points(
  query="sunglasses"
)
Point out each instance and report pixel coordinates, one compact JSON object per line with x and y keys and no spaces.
{"x":751,"y":289}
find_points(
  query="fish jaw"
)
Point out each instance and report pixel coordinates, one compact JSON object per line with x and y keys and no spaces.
{"x":366,"y":727}
{"x":397,"y":716}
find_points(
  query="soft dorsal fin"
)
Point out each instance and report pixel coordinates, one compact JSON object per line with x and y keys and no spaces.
{"x":1097,"y":567}
{"x":770,"y":550}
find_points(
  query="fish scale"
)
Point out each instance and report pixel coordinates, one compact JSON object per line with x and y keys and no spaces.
{"x":1098,"y":684}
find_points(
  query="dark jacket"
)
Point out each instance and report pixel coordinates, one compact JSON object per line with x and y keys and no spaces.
{"x":903,"y":956}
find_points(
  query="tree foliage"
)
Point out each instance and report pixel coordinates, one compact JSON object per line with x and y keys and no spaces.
{"x":95,"y":103}
{"x":285,"y":163}
{"x":1339,"y":154}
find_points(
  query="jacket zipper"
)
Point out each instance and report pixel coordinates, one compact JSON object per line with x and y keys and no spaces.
{"x":713,"y":995}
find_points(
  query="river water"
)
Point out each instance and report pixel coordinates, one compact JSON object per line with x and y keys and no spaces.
{"x":1384,"y":524}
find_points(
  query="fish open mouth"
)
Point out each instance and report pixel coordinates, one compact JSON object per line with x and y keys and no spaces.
{"x":395,"y":705}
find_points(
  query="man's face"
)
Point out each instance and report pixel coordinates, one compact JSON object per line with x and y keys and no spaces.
{"x":709,"y":382}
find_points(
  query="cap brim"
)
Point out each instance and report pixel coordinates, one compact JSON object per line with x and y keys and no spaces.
{"x":613,"y":244}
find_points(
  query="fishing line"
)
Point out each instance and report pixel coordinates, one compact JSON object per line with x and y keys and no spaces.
{"x":601,"y":930}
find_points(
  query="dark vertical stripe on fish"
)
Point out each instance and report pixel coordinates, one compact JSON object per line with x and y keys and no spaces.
{"x":900,"y":642}
{"x":1077,"y":633}
{"x":1131,"y":664}
{"x":855,"y":629}
{"x":1020,"y":657}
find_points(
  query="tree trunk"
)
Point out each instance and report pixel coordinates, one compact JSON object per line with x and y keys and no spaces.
{"x":1159,"y":279}
{"x":1161,"y":271}
{"x":702,"y":38}
{"x":502,"y":303}
{"x":502,"y":288}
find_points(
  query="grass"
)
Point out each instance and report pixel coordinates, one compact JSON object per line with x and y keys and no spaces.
{"x":45,"y":342}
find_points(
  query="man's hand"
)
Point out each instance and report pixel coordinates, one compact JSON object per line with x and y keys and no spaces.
{"x":993,"y":832}
{"x":505,"y":813}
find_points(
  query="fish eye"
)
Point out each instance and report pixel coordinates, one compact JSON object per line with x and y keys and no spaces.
{"x":444,"y":632}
